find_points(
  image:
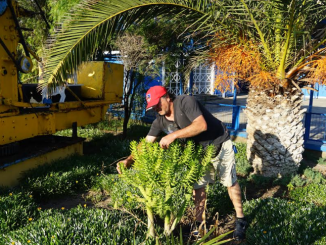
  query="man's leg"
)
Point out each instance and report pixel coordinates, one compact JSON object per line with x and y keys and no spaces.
{"x":200,"y":199}
{"x":235,"y":196}
{"x":225,"y":164}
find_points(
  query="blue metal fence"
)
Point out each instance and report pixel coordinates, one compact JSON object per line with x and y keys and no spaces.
{"x":231,"y":115}
{"x":315,"y":124}
{"x":235,"y":119}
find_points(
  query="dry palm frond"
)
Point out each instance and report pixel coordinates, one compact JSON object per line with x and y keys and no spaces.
{"x":241,"y":62}
{"x":264,"y":80}
{"x":319,"y":73}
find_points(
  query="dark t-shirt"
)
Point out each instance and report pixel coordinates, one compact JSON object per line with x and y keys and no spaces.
{"x":186,"y":110}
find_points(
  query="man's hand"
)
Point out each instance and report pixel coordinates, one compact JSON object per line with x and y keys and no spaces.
{"x":167,"y":140}
{"x":197,"y":126}
{"x":127,"y":163}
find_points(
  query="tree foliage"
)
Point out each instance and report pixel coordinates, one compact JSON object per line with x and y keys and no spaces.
{"x":272,"y":44}
{"x":136,"y":60}
{"x":93,"y":25}
{"x":275,"y":45}
{"x":37,"y":30}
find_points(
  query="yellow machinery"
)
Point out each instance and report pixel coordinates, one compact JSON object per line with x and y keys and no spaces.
{"x":23,"y":121}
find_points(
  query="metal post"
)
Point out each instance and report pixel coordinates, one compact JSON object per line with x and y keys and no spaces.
{"x":308,"y":116}
{"x":235,"y":96}
{"x":181,"y":80}
{"x":311,"y":99}
{"x":74,"y":130}
{"x":235,"y":112}
{"x":236,"y":118}
{"x":163,"y":73}
{"x":191,"y":82}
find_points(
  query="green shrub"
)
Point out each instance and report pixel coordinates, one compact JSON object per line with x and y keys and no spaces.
{"x":17,"y":209}
{"x":313,"y":176}
{"x":162,"y":179}
{"x":88,"y":132}
{"x":322,"y":161}
{"x":260,"y":180}
{"x":321,"y":241}
{"x":119,"y":191}
{"x":290,"y":180}
{"x":283,"y":181}
{"x":312,"y":193}
{"x":136,"y":129}
{"x":104,"y":183}
{"x":297,"y":181}
{"x":242,"y":163}
{"x":123,"y":194}
{"x":79,"y":226}
{"x":63,"y":177}
{"x":218,"y":199}
{"x":107,"y":145}
{"x":278,"y":221}
{"x":78,"y":173}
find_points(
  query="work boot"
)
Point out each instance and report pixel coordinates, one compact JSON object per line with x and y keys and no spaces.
{"x":240,"y":229}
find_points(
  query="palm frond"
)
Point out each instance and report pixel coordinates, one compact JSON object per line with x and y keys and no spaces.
{"x":96,"y":22}
{"x":282,"y":32}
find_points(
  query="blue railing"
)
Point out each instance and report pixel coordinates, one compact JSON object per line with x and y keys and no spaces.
{"x":236,"y":121}
{"x":231,"y":115}
{"x":315,"y":124}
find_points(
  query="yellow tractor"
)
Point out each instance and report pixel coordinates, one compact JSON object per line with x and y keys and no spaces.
{"x":27,"y":124}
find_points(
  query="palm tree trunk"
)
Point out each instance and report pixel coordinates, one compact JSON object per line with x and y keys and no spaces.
{"x":275,"y":132}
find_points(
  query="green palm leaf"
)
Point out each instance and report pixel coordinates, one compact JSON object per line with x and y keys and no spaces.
{"x":96,"y":22}
{"x":283,"y":32}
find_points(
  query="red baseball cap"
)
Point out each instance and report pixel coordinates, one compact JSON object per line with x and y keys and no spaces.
{"x":153,"y":96}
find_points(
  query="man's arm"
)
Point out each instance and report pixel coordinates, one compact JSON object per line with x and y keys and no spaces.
{"x":129,"y":160}
{"x":197,"y":126}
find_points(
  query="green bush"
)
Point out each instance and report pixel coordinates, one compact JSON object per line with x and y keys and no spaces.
{"x":298,"y":181}
{"x":313,"y":176}
{"x":78,"y":173}
{"x":97,"y":129}
{"x":136,"y":129}
{"x":87,"y":132}
{"x":16,"y":210}
{"x":123,"y":194}
{"x":260,"y":180}
{"x":312,"y":193}
{"x":283,"y":181}
{"x":218,"y":199}
{"x":79,"y":226}
{"x":162,"y":179}
{"x":63,"y":177}
{"x":278,"y":221}
{"x":322,"y":161}
{"x":242,"y":163}
{"x":104,"y":183}
{"x":120,"y":192}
